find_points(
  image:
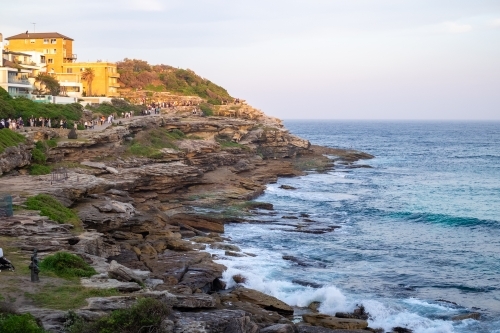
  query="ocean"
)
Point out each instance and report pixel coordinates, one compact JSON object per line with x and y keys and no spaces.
{"x":415,"y":238}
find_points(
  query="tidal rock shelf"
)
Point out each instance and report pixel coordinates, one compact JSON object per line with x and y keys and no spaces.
{"x":147,"y":219}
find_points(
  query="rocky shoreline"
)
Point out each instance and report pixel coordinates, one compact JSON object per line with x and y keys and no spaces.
{"x":147,"y":220}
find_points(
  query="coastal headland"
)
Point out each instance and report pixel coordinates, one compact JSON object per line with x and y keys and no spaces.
{"x":151,"y":193}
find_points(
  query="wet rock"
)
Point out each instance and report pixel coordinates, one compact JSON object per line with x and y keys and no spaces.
{"x":238,"y":278}
{"x":288,"y":217}
{"x":305,"y":328}
{"x":234,"y":254}
{"x":334,"y":322}
{"x":472,"y":315}
{"x":295,"y":260}
{"x":264,"y":301}
{"x":288,"y":187}
{"x":223,"y":246}
{"x":314,"y":306}
{"x":307,"y":283}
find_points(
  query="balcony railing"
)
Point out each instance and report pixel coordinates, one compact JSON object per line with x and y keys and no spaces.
{"x":19,"y":81}
{"x":21,"y":94}
{"x":71,"y":56}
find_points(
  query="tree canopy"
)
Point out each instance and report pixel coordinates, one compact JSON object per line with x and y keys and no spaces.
{"x":138,"y":74}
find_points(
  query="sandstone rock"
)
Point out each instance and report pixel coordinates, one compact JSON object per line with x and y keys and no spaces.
{"x":234,"y":254}
{"x":123,"y":273}
{"x":200,"y":239}
{"x":110,"y":284}
{"x":288,"y":187}
{"x":280,"y":328}
{"x":194,"y":301}
{"x":179,"y":244}
{"x":96,"y":165}
{"x":106,"y":304}
{"x":92,"y":242}
{"x":204,"y":276}
{"x":306,"y":328}
{"x":472,"y":315}
{"x":112,"y":170}
{"x":264,"y":301}
{"x":223,"y":246}
{"x":216,"y":321}
{"x":72,"y":134}
{"x":123,"y":235}
{"x":15,"y":157}
{"x":239,"y":278}
{"x":314,"y":306}
{"x":259,"y":315}
{"x":333,"y":322}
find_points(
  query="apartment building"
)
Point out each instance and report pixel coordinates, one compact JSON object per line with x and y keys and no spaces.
{"x":55,"y":48}
{"x":16,"y":70}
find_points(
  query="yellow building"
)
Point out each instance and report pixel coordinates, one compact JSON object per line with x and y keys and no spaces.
{"x":57,"y":53}
{"x":105,"y":82}
{"x":56,"y":49}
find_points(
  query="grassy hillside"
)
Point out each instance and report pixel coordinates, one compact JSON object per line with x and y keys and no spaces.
{"x":138,"y":74}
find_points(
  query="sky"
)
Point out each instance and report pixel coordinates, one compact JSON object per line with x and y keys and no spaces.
{"x":300,"y":59}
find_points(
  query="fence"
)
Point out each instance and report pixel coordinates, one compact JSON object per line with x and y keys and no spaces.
{"x":59,"y":175}
{"x":6,"y":206}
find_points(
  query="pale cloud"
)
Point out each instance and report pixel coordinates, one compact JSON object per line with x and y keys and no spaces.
{"x":455,"y":28}
{"x":146,"y":5}
{"x":496,"y":23}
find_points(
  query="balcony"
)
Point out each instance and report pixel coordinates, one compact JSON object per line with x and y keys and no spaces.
{"x":21,"y":94}
{"x":15,"y":80}
{"x":71,"y":57}
{"x":117,"y":75}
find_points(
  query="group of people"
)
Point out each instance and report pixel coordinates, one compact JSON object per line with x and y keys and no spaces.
{"x":5,"y":264}
{"x":40,"y":122}
{"x":12,"y":124}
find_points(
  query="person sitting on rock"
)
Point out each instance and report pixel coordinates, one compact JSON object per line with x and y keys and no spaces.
{"x":4,"y":263}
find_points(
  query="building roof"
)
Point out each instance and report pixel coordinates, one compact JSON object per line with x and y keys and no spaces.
{"x":38,"y":35}
{"x":15,"y":53}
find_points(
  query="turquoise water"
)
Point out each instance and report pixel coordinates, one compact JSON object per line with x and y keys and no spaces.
{"x":419,"y":236}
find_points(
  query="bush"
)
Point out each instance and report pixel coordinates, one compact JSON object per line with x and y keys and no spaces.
{"x":145,"y":316}
{"x":9,"y":138}
{"x":53,"y":209}
{"x":38,"y":169}
{"x":19,"y":323}
{"x":66,"y":265}
{"x":38,"y":156}
{"x":206,"y":109}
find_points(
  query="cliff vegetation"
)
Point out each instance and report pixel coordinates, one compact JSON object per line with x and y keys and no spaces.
{"x":138,"y":74}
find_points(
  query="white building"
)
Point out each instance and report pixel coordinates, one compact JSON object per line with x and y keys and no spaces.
{"x":14,"y":76}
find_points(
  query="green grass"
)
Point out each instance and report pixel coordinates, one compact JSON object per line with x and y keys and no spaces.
{"x":67,"y":296}
{"x":66,"y":265}
{"x":38,"y":169}
{"x":10,"y":138}
{"x":230,"y":144}
{"x":149,"y":143}
{"x":19,"y":323}
{"x":53,"y":209}
{"x":145,"y":316}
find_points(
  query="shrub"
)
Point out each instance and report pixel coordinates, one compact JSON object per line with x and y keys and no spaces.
{"x":38,"y":169}
{"x":38,"y":156}
{"x":145,"y":316}
{"x":10,"y":138}
{"x":206,"y":109}
{"x":53,"y":209}
{"x":66,"y":265}
{"x":16,"y":323}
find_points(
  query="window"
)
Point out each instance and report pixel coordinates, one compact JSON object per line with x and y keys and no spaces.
{"x":69,"y":70}
{"x":46,"y":41}
{"x":32,"y":41}
{"x":54,"y":51}
{"x":42,"y":59}
{"x":53,"y":41}
{"x":50,"y":61}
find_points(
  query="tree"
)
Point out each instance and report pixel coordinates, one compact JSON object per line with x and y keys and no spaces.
{"x":46,"y":83}
{"x":88,"y":76}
